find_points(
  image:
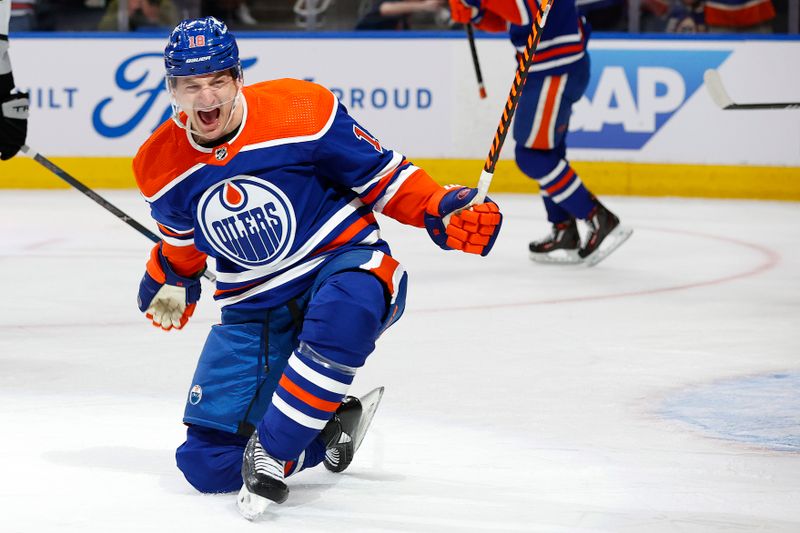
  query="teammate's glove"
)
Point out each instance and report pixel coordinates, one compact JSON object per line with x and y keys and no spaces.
{"x":466,"y":11}
{"x":473,"y":230}
{"x":13,"y":123}
{"x":165,"y":297}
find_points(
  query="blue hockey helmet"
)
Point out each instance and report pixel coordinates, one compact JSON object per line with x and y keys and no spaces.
{"x":201,"y":46}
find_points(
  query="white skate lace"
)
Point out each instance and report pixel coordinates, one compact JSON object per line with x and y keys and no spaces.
{"x":265,"y":464}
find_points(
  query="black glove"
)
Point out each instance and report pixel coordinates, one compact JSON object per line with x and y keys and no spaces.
{"x":13,"y":123}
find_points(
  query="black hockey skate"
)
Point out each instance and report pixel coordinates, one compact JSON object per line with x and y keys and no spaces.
{"x":337,"y":435}
{"x":561,"y":246}
{"x":263,"y":477}
{"x":604,"y":227}
{"x":345,"y":431}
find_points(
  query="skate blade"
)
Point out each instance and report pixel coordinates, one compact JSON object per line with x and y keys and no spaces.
{"x":250,"y":505}
{"x":614,"y":240}
{"x":369,"y":405}
{"x":557,"y":257}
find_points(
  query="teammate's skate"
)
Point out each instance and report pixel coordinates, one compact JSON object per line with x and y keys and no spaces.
{"x":605,"y":235}
{"x":561,"y":246}
{"x":263,"y":480}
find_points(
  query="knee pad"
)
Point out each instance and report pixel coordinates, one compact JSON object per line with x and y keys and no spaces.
{"x":345,"y":317}
{"x":211,"y":460}
{"x":536,"y":164}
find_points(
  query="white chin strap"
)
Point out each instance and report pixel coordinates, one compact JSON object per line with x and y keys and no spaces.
{"x":176,"y":109}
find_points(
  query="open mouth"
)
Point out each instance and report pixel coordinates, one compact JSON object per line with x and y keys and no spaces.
{"x":210,"y":117}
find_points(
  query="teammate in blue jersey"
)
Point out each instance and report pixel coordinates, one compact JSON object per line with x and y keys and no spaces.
{"x":557,"y":79}
{"x":280,"y":186}
{"x":13,"y":104}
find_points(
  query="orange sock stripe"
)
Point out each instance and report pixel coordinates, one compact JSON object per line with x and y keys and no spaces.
{"x":561,"y":183}
{"x":306,"y":397}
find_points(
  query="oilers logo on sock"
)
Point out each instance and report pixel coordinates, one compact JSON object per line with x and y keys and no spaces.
{"x":248,"y":220}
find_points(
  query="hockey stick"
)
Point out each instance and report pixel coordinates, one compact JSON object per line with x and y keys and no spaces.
{"x":525,"y":62}
{"x":58,"y":171}
{"x":475,"y":62}
{"x":720,"y":96}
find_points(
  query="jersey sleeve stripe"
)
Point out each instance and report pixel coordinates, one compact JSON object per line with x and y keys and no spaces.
{"x":397,"y":160}
{"x":172,"y":232}
{"x":394,"y":186}
{"x":178,"y":242}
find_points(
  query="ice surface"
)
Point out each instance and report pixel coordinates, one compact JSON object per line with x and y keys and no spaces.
{"x":519,"y":397}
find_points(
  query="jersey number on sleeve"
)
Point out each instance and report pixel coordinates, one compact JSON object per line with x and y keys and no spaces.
{"x":364,"y":136}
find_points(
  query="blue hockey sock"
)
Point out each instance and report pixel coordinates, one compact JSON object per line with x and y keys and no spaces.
{"x":307,"y":395}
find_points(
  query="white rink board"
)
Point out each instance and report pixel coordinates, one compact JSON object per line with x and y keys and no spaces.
{"x":102,"y":96}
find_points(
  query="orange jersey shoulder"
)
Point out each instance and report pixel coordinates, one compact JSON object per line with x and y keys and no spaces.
{"x":282,"y":110}
{"x":286,"y":109}
{"x":163,"y":157}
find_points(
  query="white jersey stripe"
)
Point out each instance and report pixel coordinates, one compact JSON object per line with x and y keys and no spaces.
{"x":177,"y":242}
{"x":393,"y":187}
{"x":374,"y":261}
{"x":537,"y":118}
{"x":551,"y":133}
{"x":277,"y":281}
{"x":561,"y":39}
{"x":726,"y":7}
{"x":179,"y":232}
{"x":393,"y":164}
{"x":397,"y":275}
{"x":539,"y":67}
{"x":307,"y":247}
{"x":523,"y":13}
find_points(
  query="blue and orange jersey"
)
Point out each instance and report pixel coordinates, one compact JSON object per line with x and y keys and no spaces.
{"x":563,"y":40}
{"x":738,"y":13}
{"x":298,"y":184}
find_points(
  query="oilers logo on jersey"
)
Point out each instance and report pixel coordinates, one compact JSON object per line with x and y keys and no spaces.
{"x":248,"y":220}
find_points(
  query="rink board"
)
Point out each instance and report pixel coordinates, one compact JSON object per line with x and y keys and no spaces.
{"x":645,"y":127}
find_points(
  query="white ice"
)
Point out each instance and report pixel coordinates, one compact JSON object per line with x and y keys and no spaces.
{"x":519,"y":397}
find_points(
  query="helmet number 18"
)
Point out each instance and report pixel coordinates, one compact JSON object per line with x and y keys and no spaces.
{"x":197,"y":40}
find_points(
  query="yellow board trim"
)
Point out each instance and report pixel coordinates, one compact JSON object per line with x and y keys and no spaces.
{"x":605,"y":178}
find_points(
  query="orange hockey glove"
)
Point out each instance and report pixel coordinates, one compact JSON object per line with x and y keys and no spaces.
{"x":473,"y":230}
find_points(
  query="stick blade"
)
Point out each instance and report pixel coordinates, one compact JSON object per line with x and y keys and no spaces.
{"x":716,"y":90}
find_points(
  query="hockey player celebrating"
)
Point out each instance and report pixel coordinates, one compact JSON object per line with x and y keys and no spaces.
{"x":280,"y":185}
{"x":557,"y":79}
{"x":13,"y":104}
